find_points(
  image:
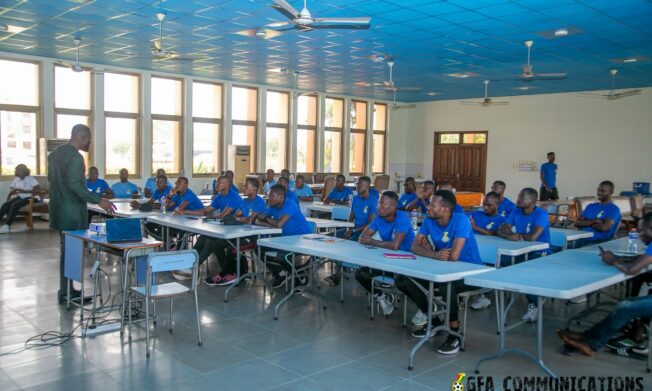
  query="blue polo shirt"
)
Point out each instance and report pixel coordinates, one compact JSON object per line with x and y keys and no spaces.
{"x":268,"y":186}
{"x":458,"y":209}
{"x":362,"y":208}
{"x":405,"y":199}
{"x":490,"y":223}
{"x":388,"y":231}
{"x":257,"y":205}
{"x":549,"y":171}
{"x":524,"y":224}
{"x":648,"y":251}
{"x":459,"y":226}
{"x":194,"y":203}
{"x":290,"y":195}
{"x":124,"y":190}
{"x":231,"y":200}
{"x":340,"y":196}
{"x":97,"y":187}
{"x":296,"y":224}
{"x":233,"y":187}
{"x":305,"y":191}
{"x":602,"y":212}
{"x":374,"y":193}
{"x":150,"y":184}
{"x":423,"y":205}
{"x":506,"y":207}
{"x":157,"y":195}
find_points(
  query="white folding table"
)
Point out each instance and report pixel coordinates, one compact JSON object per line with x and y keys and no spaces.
{"x":510,"y":248}
{"x":560,"y":237}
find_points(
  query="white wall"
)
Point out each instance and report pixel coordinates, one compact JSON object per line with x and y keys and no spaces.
{"x":594,"y":139}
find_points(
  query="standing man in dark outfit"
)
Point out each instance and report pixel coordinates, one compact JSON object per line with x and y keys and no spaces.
{"x":68,"y":193}
{"x":548,"y":173}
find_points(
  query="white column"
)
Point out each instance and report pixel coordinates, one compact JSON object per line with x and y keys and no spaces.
{"x":146,"y":125}
{"x":292,"y":128}
{"x":98,"y":124}
{"x":319,"y":146}
{"x":261,"y":162}
{"x":346,"y":135}
{"x":369,"y":138}
{"x":227,"y":127}
{"x":186,"y":163}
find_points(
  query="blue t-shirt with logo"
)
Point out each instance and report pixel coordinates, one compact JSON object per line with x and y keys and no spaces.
{"x":340,"y":196}
{"x":549,"y":171}
{"x":97,"y":187}
{"x":305,"y":191}
{"x":157,"y":194}
{"x":458,"y":209}
{"x":388,"y":230}
{"x":257,"y":205}
{"x":231,"y":200}
{"x":490,"y":223}
{"x":194,"y":203}
{"x":150,"y":184}
{"x":362,"y":208}
{"x":405,"y":199}
{"x":459,"y":226}
{"x":524,"y":224}
{"x":124,"y":190}
{"x":233,"y":187}
{"x":602,"y":212}
{"x":506,"y":207}
{"x":296,"y":223}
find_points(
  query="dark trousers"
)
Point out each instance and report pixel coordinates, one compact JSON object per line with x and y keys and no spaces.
{"x":278,"y":264}
{"x":227,"y":255}
{"x":364,"y":275}
{"x":63,"y":281}
{"x":420,"y":298}
{"x":545,"y":195}
{"x":11,"y":207}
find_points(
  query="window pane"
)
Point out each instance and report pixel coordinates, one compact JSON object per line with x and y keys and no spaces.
{"x":206,"y":100}
{"x":206,"y":148}
{"x":474,"y":138}
{"x":277,"y":107}
{"x":334,"y":113}
{"x":244,"y":135}
{"x":244,"y":104}
{"x":332,"y":151}
{"x":19,"y":83}
{"x":275,"y":148}
{"x":72,"y":90}
{"x":379,"y":153}
{"x":305,"y":150}
{"x":17,"y":141}
{"x":358,"y":115}
{"x":166,"y":96}
{"x":120,"y":145}
{"x":166,"y":151}
{"x":356,"y":153}
{"x":449,"y":138}
{"x":380,"y":117}
{"x":65,"y":123}
{"x":120,"y":93}
{"x":307,"y":110}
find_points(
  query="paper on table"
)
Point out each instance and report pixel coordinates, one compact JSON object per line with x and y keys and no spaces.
{"x":399,"y":256}
{"x":321,"y":238}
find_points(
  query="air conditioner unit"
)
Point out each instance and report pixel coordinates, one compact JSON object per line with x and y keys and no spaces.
{"x":239,"y":161}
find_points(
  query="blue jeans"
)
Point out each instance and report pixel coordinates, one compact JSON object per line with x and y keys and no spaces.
{"x":626,"y":310}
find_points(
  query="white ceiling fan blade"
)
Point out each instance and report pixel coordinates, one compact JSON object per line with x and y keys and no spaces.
{"x":156,"y":44}
{"x":285,"y":8}
{"x":551,"y":75}
{"x":355,"y":21}
{"x":278,"y":24}
{"x":627,"y":93}
{"x":408,"y":89}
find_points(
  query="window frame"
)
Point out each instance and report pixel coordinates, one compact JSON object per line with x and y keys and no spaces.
{"x":169,"y":118}
{"x":362,"y":131}
{"x":339,"y":130}
{"x":384,"y":134}
{"x":314,"y":130}
{"x":279,"y":125}
{"x":212,"y":121}
{"x":254,"y":124}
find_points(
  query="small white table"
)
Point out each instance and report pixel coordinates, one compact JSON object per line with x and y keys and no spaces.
{"x":510,"y":248}
{"x":560,"y":237}
{"x":618,"y":246}
{"x":124,"y":210}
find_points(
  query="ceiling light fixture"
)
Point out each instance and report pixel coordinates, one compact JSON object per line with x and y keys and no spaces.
{"x":562,"y":32}
{"x":629,"y":60}
{"x":10,"y":28}
{"x":260,"y":33}
{"x":432,"y":93}
{"x":524,"y":88}
{"x":462,"y":75}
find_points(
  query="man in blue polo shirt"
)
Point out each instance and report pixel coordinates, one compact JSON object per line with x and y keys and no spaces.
{"x":340,"y":194}
{"x":409,"y":194}
{"x":285,"y":173}
{"x":392,"y":230}
{"x":601,"y":218}
{"x":97,"y":185}
{"x":269,"y":181}
{"x":528,"y":222}
{"x":150,"y":183}
{"x":548,"y":174}
{"x":447,"y":186}
{"x":488,"y":220}
{"x":363,"y":209}
{"x":182,"y":200}
{"x":445,"y":236}
{"x":289,"y":194}
{"x":423,"y":197}
{"x":505,"y":205}
{"x":252,"y":204}
{"x":301,"y":190}
{"x":159,"y":194}
{"x":124,"y":188}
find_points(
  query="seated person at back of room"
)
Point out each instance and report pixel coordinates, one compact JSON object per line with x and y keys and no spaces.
{"x":150,"y":185}
{"x":22,"y":188}
{"x":161,"y":191}
{"x":289,"y":194}
{"x":409,"y":194}
{"x":363,"y":209}
{"x":124,"y":188}
{"x":182,"y":200}
{"x":97,"y":185}
{"x":340,"y":193}
{"x":253,"y":204}
{"x":528,"y":222}
{"x":391,"y":230}
{"x":269,"y":181}
{"x":505,"y":205}
{"x":226,"y":202}
{"x":229,"y":174}
{"x":423,"y":197}
{"x":445,"y":236}
{"x":449,"y":187}
{"x":601,"y":218}
{"x":488,"y":220}
{"x":301,"y":190}
{"x":286,"y":174}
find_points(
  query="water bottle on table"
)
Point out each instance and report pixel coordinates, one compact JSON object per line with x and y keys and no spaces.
{"x":632,"y":243}
{"x":163,"y":202}
{"x":414,"y":219}
{"x":350,"y":200}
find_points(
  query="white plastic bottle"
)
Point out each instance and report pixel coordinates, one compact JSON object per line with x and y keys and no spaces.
{"x":163,"y":202}
{"x":632,"y":243}
{"x":414,"y":219}
{"x":350,"y":200}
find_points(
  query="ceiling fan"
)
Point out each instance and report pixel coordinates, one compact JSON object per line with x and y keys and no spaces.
{"x":158,"y":51}
{"x":487,"y":101}
{"x":296,"y":93}
{"x":303,"y":20}
{"x":529,"y":75}
{"x":389,"y":84}
{"x":76,"y":67}
{"x":612,"y":94}
{"x":395,"y":106}
{"x":260,"y":32}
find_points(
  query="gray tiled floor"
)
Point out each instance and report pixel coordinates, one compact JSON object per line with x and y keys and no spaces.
{"x":308,"y":348}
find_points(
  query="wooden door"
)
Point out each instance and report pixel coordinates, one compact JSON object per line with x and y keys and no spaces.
{"x":444,"y":167}
{"x":460,"y":158}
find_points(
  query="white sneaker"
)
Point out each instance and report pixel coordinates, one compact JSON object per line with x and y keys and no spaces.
{"x":480,"y":303}
{"x":385,"y":304}
{"x":5,"y":229}
{"x":419,"y":319}
{"x":181,"y":275}
{"x":531,"y":313}
{"x":578,"y":299}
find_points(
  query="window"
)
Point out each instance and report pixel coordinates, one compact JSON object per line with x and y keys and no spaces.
{"x":333,"y":128}
{"x":19,"y":108}
{"x":474,"y":138}
{"x":121,"y":103}
{"x":206,"y":128}
{"x":167,"y":117}
{"x":277,"y":129}
{"x":380,"y":131}
{"x":244,"y":119}
{"x":449,"y":138}
{"x":306,"y":133}
{"x":72,"y":103}
{"x":357,"y":137}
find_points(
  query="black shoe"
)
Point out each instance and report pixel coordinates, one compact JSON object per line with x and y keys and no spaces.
{"x":278,"y":281}
{"x":421,"y":333}
{"x":333,"y":280}
{"x":452,"y":345}
{"x":74,"y":296}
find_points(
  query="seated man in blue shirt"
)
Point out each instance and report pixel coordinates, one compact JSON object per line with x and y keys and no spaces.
{"x":97,"y":185}
{"x":363,"y":209}
{"x":528,"y":222}
{"x":505,"y":205}
{"x":301,"y":190}
{"x":269,"y":181}
{"x":124,"y":188}
{"x":445,"y":236}
{"x":592,"y":340}
{"x":409,"y":195}
{"x":182,"y":200}
{"x":601,"y":218}
{"x":392,"y":230}
{"x":285,"y":173}
{"x":423,"y":197}
{"x":548,"y":174}
{"x":447,"y":186}
{"x":488,"y":220}
{"x":340,"y":194}
{"x":229,"y":174}
{"x":284,"y":214}
{"x":289,"y":194}
{"x":150,"y":184}
{"x":159,"y":194}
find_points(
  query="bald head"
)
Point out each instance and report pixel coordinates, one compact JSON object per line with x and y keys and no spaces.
{"x":80,"y":137}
